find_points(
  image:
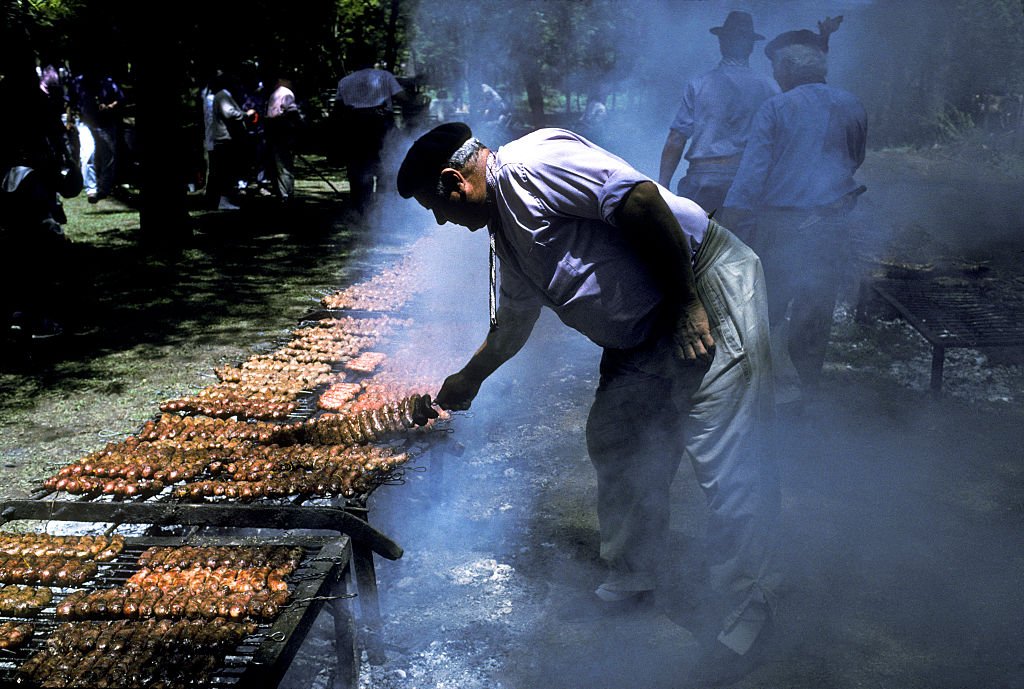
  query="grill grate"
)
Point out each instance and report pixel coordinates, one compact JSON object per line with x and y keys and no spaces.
{"x":952,"y":315}
{"x":257,"y":661}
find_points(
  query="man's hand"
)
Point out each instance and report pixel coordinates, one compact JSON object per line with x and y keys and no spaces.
{"x":693,"y":335}
{"x":457,"y":392}
{"x":422,"y":410}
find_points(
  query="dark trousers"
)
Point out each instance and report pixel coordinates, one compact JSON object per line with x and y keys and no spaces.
{"x":225,"y":170}
{"x":280,"y":139}
{"x":33,"y":248}
{"x":363,"y":131}
{"x":805,"y":254}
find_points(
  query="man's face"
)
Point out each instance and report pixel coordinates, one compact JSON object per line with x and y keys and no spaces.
{"x":456,"y":208}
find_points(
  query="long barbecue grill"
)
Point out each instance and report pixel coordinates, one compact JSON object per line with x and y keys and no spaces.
{"x":262,"y":656}
{"x":333,"y":569}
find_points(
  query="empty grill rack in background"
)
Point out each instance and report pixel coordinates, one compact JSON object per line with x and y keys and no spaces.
{"x":261,"y":658}
{"x":948,"y":314}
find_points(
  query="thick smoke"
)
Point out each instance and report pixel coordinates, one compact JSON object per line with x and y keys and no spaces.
{"x":843,"y":483}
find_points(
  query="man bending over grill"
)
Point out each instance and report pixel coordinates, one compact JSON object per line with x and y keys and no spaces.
{"x":676,"y":302}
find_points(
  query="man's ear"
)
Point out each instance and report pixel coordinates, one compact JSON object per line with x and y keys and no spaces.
{"x":452,"y":179}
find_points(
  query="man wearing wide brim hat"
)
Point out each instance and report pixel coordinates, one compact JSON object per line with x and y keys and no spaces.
{"x":714,"y":117}
{"x":797,"y":180}
{"x":737,"y":24}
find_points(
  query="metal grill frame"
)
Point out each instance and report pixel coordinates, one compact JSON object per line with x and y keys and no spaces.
{"x":916,"y":302}
{"x":320,"y":574}
{"x":366,"y":540}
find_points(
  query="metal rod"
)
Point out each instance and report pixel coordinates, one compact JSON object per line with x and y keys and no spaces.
{"x":319,"y":174}
{"x":938,"y":360}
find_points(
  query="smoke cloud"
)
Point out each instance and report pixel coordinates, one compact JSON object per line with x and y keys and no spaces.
{"x":873,"y":546}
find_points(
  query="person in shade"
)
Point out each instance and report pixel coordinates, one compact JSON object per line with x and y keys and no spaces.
{"x":363,"y":117}
{"x":677,"y":303}
{"x":281,"y":129}
{"x":714,"y":116}
{"x":228,"y":134}
{"x":796,"y":180}
{"x":101,"y":102}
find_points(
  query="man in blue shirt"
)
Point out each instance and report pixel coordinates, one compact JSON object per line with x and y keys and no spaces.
{"x":677,"y":304}
{"x":714,"y":117}
{"x":797,"y":179}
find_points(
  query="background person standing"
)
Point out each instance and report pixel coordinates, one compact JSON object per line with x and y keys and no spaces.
{"x":363,"y":117}
{"x":101,"y":101}
{"x":229,"y":152}
{"x":714,"y":117}
{"x":280,"y":129}
{"x":797,"y":179}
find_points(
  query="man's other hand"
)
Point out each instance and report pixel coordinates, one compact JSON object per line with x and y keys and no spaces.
{"x":693,"y":335}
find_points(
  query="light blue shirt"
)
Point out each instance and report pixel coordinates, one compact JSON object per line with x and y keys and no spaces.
{"x":556,"y":195}
{"x":717,"y":108}
{"x":803,"y":150}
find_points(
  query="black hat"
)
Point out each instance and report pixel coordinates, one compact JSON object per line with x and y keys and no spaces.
{"x":738,"y":25}
{"x":427,"y":156}
{"x":798,"y":37}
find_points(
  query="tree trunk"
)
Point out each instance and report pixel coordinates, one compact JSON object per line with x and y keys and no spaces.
{"x":535,"y":97}
{"x":160,"y":65}
{"x":391,"y":46}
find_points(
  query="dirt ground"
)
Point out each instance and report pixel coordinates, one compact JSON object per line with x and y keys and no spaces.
{"x":902,"y":513}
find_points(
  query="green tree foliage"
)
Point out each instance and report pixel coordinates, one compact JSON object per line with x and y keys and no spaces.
{"x":537,"y":51}
{"x":924,"y":64}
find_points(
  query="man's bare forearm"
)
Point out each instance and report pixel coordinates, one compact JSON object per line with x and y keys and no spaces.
{"x":659,"y":239}
{"x":501,"y":343}
{"x":671,"y":154}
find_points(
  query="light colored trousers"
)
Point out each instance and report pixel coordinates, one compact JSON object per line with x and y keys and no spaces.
{"x":650,"y":410}
{"x":87,"y":153}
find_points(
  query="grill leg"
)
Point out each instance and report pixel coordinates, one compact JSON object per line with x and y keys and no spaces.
{"x":369,"y":603}
{"x":938,"y":360}
{"x":347,"y":674}
{"x":863,"y":297}
{"x":366,"y":585}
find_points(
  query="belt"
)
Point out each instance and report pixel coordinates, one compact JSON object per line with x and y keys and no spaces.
{"x":719,"y":160}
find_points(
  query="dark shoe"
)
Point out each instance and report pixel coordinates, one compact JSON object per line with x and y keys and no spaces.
{"x":592,"y":607}
{"x":94,"y":198}
{"x":718,"y":665}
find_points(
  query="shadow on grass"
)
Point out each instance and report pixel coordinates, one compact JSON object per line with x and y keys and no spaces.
{"x":241,"y":276}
